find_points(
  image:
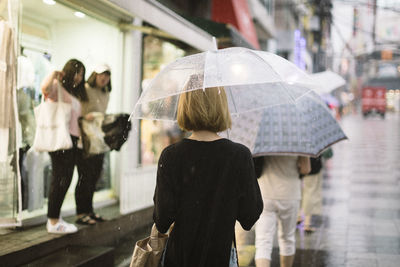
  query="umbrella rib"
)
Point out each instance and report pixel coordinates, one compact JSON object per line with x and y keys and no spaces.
{"x":233,"y":100}
{"x":176,"y":108}
{"x":282,"y":84}
{"x":302,"y":95}
{"x":262,"y":59}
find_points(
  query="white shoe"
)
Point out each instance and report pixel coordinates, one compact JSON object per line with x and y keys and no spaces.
{"x":61,"y":227}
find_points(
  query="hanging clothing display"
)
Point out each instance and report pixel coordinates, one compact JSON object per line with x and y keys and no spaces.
{"x":35,"y":164}
{"x":10,"y":180}
{"x":7,"y":75}
{"x":7,"y":84}
{"x":4,"y":133}
{"x":26,"y":96}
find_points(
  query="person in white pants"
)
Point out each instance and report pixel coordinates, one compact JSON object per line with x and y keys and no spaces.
{"x":281,"y":192}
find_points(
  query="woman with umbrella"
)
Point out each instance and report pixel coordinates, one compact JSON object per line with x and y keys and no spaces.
{"x":266,"y":93}
{"x":204,"y":184}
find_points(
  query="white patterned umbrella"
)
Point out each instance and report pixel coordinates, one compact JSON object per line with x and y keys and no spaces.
{"x":305,"y":127}
{"x":328,"y":81}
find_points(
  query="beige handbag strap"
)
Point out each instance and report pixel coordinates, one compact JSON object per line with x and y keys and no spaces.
{"x":154,"y":237}
{"x":59,"y":93}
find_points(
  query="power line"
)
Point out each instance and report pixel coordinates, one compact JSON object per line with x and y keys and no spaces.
{"x":348,"y":2}
{"x":342,"y":38}
{"x":359,"y":28}
{"x":360,"y":3}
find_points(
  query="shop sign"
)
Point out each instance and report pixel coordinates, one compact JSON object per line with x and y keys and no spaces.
{"x":386,"y":54}
{"x":236,"y":12}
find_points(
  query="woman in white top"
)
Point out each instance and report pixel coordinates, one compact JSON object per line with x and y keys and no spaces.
{"x":72,"y":85}
{"x":98,"y":88}
{"x":281,"y":192}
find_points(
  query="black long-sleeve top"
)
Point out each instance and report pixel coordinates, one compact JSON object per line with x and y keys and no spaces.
{"x":204,"y":187}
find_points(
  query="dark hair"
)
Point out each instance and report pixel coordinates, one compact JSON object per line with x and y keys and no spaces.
{"x":92,"y":81}
{"x":72,"y":67}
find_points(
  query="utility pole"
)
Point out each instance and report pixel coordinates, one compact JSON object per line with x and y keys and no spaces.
{"x":374,"y":24}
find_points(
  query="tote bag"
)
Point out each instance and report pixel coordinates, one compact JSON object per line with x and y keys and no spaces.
{"x":93,"y":135}
{"x":52,"y":125}
{"x":148,"y":251}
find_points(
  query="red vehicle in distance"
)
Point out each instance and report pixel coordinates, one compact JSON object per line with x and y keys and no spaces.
{"x":373,"y":100}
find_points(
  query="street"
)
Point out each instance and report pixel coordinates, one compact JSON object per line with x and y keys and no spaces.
{"x":360,"y":222}
{"x":360,"y":225}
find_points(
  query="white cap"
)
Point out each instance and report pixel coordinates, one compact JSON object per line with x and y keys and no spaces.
{"x":102,"y":68}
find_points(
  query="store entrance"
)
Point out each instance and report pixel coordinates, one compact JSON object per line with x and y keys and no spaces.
{"x":50,"y":34}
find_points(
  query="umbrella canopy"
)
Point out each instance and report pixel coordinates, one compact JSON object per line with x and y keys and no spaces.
{"x":272,"y":102}
{"x":328,"y":81}
{"x":252,"y":79}
{"x":305,"y":127}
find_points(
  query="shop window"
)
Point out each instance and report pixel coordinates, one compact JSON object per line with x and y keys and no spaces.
{"x":50,"y":35}
{"x":156,"y":135}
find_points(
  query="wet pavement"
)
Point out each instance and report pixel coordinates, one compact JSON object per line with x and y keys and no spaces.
{"x":360,"y":221}
{"x":360,"y":224}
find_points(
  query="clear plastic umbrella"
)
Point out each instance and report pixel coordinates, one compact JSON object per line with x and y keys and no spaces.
{"x":252,"y":80}
{"x":268,"y":97}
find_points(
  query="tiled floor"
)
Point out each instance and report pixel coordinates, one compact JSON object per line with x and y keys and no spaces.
{"x":360,"y":224}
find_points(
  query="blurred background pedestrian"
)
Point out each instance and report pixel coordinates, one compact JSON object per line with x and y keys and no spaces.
{"x":311,"y":200}
{"x":281,"y":191}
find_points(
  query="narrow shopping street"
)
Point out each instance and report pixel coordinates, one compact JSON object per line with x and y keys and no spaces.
{"x":360,"y":225}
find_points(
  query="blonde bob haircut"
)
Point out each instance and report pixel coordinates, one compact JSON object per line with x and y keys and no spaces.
{"x":204,"y":110}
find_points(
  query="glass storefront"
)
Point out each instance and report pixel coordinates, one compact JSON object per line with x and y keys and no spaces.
{"x":9,"y":180}
{"x":49,"y":35}
{"x":156,"y":135}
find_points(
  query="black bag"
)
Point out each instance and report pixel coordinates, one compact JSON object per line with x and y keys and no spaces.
{"x":116,"y":128}
{"x":316,"y":165}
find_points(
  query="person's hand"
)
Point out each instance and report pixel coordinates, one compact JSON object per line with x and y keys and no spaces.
{"x":89,"y":117}
{"x":58,"y":75}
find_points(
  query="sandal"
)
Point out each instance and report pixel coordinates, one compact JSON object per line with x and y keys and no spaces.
{"x":86,"y":220}
{"x":309,"y":229}
{"x":97,"y":217}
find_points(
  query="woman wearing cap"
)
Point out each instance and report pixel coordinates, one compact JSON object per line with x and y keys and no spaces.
{"x":98,"y":88}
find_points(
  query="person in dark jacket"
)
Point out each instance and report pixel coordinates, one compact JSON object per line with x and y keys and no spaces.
{"x":204,"y":184}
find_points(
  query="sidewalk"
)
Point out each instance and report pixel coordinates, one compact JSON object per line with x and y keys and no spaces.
{"x":23,"y":246}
